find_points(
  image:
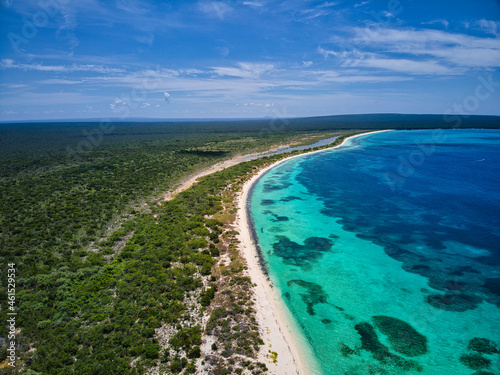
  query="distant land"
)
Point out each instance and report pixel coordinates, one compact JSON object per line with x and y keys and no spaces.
{"x":334,"y":122}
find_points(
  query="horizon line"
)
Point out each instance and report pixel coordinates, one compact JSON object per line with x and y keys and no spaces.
{"x":225,"y":119}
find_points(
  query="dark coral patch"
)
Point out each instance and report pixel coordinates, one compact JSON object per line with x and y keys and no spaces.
{"x":482,"y":345}
{"x":475,"y":361}
{"x":276,"y":230}
{"x":269,"y":187}
{"x":445,"y":285}
{"x":329,"y":212}
{"x":326,"y":321}
{"x":279,"y":218}
{"x":346,"y":351}
{"x":301,"y":255}
{"x":318,"y":244}
{"x":464,"y":269}
{"x":291,"y":198}
{"x":267,"y":202}
{"x":453,"y":302}
{"x":454,"y":285}
{"x":493,"y":286}
{"x":313,"y":296}
{"x":403,"y":337}
{"x":371,"y":343}
{"x":420,"y":268}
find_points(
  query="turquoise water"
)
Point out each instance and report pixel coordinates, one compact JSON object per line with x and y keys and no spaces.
{"x":386,"y":251}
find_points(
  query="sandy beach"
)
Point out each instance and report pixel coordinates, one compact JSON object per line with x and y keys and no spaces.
{"x":278,"y":329}
{"x":191,"y":180}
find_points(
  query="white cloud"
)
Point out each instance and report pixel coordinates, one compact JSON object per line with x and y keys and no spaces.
{"x":456,"y":50}
{"x":263,"y":105}
{"x":224,"y":51}
{"x":145,"y":105}
{"x":117,"y":104}
{"x":50,"y":99}
{"x":445,"y":23}
{"x":146,"y":39}
{"x":191,"y":72}
{"x":310,"y":13}
{"x":465,"y":57}
{"x":254,"y":3}
{"x":306,"y":64}
{"x":245,"y":70}
{"x":328,"y":4}
{"x":361,"y":4}
{"x":215,"y":9}
{"x":406,"y":66}
{"x":350,"y":58}
{"x":326,"y":53}
{"x":132,"y":6}
{"x":59,"y":82}
{"x":11,"y":64}
{"x":14,"y":85}
{"x":87,"y":109}
{"x":356,"y":77}
{"x":167,"y":97}
{"x":489,"y":27}
{"x":69,"y":24}
{"x":410,"y":38}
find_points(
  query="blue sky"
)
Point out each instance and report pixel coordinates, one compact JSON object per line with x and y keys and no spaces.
{"x":65,"y":59}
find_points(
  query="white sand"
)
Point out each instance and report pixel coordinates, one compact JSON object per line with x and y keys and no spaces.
{"x":278,"y":328}
{"x":192,"y":179}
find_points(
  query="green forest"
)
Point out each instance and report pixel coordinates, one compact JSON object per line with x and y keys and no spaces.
{"x":110,"y":277}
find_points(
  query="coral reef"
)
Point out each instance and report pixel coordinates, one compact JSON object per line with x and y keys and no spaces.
{"x":371,"y":343}
{"x":403,"y":337}
{"x":475,"y":361}
{"x":301,"y":255}
{"x":313,"y":296}
{"x":453,"y":301}
{"x":482,"y":345}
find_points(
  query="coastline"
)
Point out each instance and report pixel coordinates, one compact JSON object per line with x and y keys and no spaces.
{"x":279,"y":330}
{"x":190,"y":180}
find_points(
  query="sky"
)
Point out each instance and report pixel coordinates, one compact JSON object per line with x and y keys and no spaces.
{"x":81,"y":59}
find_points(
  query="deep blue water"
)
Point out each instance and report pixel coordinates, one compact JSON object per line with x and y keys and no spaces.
{"x":392,"y":227}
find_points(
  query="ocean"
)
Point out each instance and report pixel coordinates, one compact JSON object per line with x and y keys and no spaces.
{"x":386,"y":251}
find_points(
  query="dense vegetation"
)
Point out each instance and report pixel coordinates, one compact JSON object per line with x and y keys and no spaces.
{"x":108,"y":279}
{"x":111,"y":279}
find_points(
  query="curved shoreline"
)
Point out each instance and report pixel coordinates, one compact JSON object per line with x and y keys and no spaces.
{"x":279,"y":329}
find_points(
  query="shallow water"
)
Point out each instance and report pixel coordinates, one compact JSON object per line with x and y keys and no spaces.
{"x":386,"y":251}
